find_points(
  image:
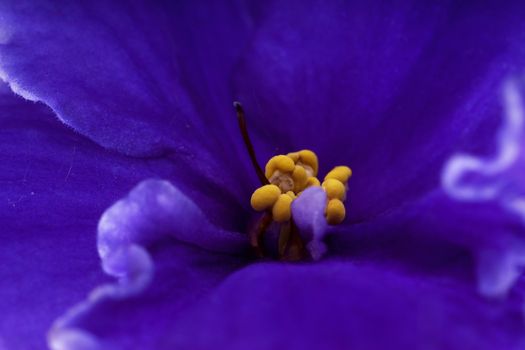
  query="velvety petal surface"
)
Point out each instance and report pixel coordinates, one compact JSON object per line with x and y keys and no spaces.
{"x":164,"y":251}
{"x":146,"y":78}
{"x":343,"y":305}
{"x":332,"y":304}
{"x":479,"y":209}
{"x":175,"y":295}
{"x":380,"y":87}
{"x":394,"y":91}
{"x":394,"y":79}
{"x":373,"y":87}
{"x":54,"y":185}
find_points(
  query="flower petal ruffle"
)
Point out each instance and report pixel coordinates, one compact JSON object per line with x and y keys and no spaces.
{"x":497,"y":183}
{"x":54,"y":185}
{"x":479,"y":209}
{"x":155,"y":230}
{"x":330,"y":304}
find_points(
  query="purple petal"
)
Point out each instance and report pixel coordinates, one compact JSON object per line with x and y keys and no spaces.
{"x":380,"y":86}
{"x":479,"y":211}
{"x":335,"y":305}
{"x":183,"y":275}
{"x":155,"y":209}
{"x":341,"y":305}
{"x":496,"y":182}
{"x":474,"y":179}
{"x":113,"y":72}
{"x":154,"y":216}
{"x":135,"y":77}
{"x":437,"y":234}
{"x":54,"y":185}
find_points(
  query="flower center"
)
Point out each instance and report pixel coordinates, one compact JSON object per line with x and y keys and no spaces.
{"x":283,"y":181}
{"x":284,"y":178}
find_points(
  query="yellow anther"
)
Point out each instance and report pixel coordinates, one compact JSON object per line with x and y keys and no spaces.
{"x":335,"y":212}
{"x":334,"y":189}
{"x":283,"y":163}
{"x":291,"y":194}
{"x":309,"y":158}
{"x":341,"y":173}
{"x":306,"y":158}
{"x":299,"y":178}
{"x":264,"y":197}
{"x":281,"y":210}
{"x":294,"y":156}
{"x":291,"y":174}
{"x":312,"y":181}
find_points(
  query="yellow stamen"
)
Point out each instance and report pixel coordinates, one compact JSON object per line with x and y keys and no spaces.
{"x":286,"y":177}
{"x":264,"y":197}
{"x":341,"y":173}
{"x":306,"y":158}
{"x":299,"y":178}
{"x":334,"y":189}
{"x":282,"y":163}
{"x":335,"y":212}
{"x":291,"y":194}
{"x":312,"y":181}
{"x":291,"y":174}
{"x":281,"y":210}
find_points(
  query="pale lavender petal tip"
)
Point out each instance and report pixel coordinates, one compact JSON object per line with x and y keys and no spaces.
{"x":473,"y":179}
{"x":308,"y":212}
{"x":153,"y":211}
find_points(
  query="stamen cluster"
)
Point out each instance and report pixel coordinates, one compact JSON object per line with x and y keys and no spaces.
{"x":289,"y":175}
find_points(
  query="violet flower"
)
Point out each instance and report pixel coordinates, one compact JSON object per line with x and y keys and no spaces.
{"x":422,"y":100}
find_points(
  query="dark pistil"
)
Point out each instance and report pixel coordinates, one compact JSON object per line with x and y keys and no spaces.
{"x":248,"y":143}
{"x":291,"y":247}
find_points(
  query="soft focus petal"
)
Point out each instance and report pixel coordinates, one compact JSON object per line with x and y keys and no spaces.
{"x":494,"y":236}
{"x":54,"y":185}
{"x":334,"y":305}
{"x":183,"y":274}
{"x":495,"y":183}
{"x":471,"y":178}
{"x":341,"y":305}
{"x":478,"y":210}
{"x":155,"y":217}
{"x":437,"y":234}
{"x":389,"y":89}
